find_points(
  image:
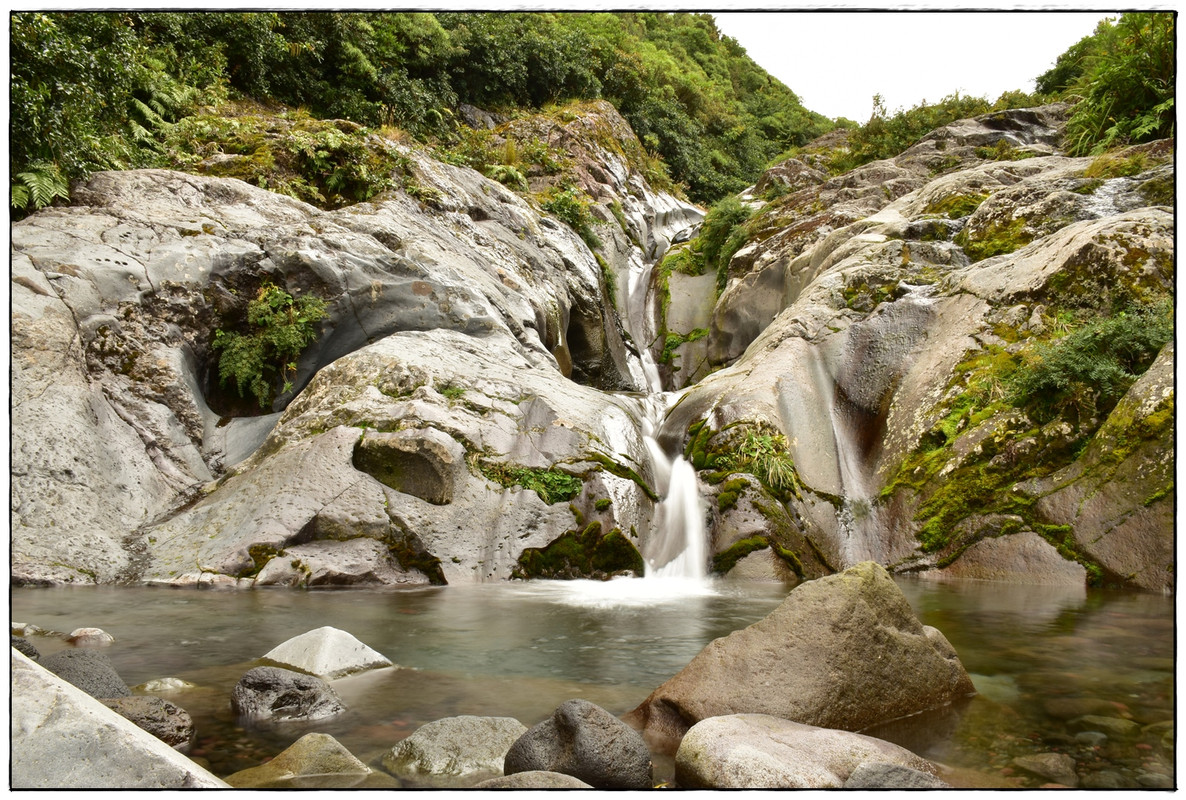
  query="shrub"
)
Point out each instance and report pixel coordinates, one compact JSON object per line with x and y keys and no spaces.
{"x":1125,"y":94}
{"x":280,"y":329}
{"x":1091,"y":368}
{"x":571,"y":206}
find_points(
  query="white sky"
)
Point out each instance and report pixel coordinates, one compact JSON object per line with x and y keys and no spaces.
{"x":836,"y":61}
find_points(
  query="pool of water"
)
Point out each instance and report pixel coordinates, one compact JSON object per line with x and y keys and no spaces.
{"x":1042,"y":659}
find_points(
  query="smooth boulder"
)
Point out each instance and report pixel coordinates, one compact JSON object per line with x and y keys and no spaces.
{"x":757,"y":751}
{"x":328,"y":653}
{"x":275,"y":694}
{"x":312,"y":754}
{"x":455,"y":749}
{"x":534,"y":779}
{"x":587,"y":742}
{"x":879,"y":775}
{"x":844,"y":652}
{"x":62,"y":738}
{"x":88,"y":670}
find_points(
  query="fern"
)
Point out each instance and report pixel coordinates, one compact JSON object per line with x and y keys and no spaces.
{"x":281,"y":328}
{"x":39,"y":186}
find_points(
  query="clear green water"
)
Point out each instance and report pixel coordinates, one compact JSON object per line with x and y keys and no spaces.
{"x":1041,"y":658}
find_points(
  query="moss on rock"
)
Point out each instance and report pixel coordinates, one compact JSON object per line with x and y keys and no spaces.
{"x":582,"y":554}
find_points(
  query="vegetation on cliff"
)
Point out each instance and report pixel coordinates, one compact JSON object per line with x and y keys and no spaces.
{"x":100,"y":90}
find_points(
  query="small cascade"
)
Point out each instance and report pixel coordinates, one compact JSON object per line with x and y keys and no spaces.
{"x":677,"y":547}
{"x":857,"y":515}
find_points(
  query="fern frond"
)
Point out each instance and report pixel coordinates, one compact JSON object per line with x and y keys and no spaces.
{"x":44,"y":183}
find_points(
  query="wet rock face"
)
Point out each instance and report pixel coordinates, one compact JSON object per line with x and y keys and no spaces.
{"x":861,"y":323}
{"x":119,"y":396}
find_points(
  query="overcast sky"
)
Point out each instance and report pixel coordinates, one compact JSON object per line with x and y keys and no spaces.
{"x":836,"y":61}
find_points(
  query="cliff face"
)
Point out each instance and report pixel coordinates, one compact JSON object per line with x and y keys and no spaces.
{"x":478,"y":388}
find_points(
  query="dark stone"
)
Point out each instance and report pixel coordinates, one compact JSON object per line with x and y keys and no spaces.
{"x":164,"y":720}
{"x":871,"y":775}
{"x":587,"y":742}
{"x":26,"y":647}
{"x":89,"y":670}
{"x":272,"y":693}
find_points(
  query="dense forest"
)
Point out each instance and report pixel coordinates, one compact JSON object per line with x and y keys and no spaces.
{"x":106,"y":90}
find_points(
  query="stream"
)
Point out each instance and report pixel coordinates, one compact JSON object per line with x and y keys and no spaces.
{"x":1041,"y":657}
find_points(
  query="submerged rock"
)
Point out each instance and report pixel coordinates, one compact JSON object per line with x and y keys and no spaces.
{"x":455,"y":750}
{"x":843,"y":652}
{"x":757,"y":751}
{"x":328,"y":653}
{"x":90,"y":637}
{"x":587,"y":742}
{"x":313,"y":754}
{"x":267,"y":694}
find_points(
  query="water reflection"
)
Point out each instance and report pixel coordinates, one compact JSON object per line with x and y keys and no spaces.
{"x":1043,"y":659}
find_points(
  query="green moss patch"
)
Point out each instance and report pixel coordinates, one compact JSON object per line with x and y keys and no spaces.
{"x":726,"y":560}
{"x":582,"y":554}
{"x":552,"y":485}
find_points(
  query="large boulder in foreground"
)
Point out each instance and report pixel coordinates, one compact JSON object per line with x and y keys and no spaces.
{"x":845,"y":652}
{"x":62,"y":738}
{"x":587,"y":742}
{"x":756,"y":751}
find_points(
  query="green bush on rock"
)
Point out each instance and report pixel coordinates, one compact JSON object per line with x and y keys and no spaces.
{"x":280,"y":329}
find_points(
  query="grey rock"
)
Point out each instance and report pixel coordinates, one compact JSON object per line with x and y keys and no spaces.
{"x":1112,"y":726}
{"x":1155,"y":780}
{"x":26,"y":647}
{"x":878,"y":775}
{"x":164,"y":720}
{"x":63,"y":738}
{"x":1108,"y":779}
{"x":314,"y":754}
{"x":1091,"y":738}
{"x":89,"y":670}
{"x":1057,"y":767}
{"x":587,"y":742}
{"x":267,"y":694}
{"x":843,"y":652}
{"x":453,"y":750}
{"x":534,"y":779}
{"x":758,"y":751}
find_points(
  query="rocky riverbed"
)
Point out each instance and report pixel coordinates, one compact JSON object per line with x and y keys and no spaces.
{"x":1111,"y":737}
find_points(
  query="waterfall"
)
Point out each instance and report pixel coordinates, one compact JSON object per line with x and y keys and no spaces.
{"x":677,"y":546}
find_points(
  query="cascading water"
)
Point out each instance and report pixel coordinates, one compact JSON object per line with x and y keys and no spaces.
{"x":677,"y":546}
